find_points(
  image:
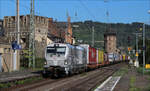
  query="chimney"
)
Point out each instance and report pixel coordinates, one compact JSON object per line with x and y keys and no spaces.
{"x":50,"y":20}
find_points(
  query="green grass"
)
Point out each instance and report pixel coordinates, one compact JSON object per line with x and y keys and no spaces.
{"x":146,"y":89}
{"x":121,"y":72}
{"x":146,"y":71}
{"x":39,"y":63}
{"x":132,"y":84}
{"x":134,"y":89}
{"x":28,"y":80}
{"x":132,"y":81}
{"x":7,"y":85}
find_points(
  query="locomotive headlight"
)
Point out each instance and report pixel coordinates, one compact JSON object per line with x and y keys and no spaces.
{"x":45,"y":62}
{"x":65,"y":62}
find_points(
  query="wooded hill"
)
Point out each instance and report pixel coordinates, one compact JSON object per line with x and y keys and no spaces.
{"x":125,"y":32}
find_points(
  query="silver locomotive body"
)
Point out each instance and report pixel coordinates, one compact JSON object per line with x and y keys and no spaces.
{"x":64,"y":59}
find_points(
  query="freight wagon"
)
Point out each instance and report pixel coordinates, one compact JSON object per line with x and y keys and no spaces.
{"x":91,"y":56}
{"x":100,"y":57}
{"x":111,"y":57}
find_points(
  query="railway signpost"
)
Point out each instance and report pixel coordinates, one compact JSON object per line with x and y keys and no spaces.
{"x":147,"y":66}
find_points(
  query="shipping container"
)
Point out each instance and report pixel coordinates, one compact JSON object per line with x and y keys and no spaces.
{"x":105,"y":57}
{"x":86,"y":47}
{"x":100,"y":56}
{"x":117,"y":57}
{"x":124,"y":57}
{"x":120,"y":57}
{"x":92,"y":56}
{"x":111,"y":57}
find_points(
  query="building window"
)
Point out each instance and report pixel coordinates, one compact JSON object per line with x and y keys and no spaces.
{"x":39,"y":31}
{"x":8,"y":49}
{"x":5,"y":50}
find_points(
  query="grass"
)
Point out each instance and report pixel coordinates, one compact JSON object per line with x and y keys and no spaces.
{"x":133,"y":79}
{"x":132,"y":84}
{"x":148,"y":87}
{"x":83,"y":74}
{"x":121,"y":72}
{"x":20,"y":82}
{"x":146,"y":71}
{"x":37,"y":69}
{"x":7,"y":85}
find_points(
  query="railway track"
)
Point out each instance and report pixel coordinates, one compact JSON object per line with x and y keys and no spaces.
{"x":82,"y":82}
{"x":88,"y":82}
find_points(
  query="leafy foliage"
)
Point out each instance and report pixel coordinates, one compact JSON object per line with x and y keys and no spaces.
{"x":84,"y":32}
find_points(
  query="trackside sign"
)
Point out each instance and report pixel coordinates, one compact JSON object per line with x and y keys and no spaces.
{"x":147,"y":66}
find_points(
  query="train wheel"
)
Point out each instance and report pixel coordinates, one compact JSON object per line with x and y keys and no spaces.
{"x":44,"y":75}
{"x":69,"y":73}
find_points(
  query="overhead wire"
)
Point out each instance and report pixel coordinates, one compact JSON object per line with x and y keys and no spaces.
{"x":26,"y":8}
{"x":86,"y":8}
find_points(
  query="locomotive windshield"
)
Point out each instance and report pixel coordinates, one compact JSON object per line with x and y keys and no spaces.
{"x":56,"y":50}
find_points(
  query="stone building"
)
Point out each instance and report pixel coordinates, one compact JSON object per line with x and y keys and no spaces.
{"x":41,"y":29}
{"x":7,"y":57}
{"x":60,"y":31}
{"x":1,"y":28}
{"x":110,"y":41}
{"x":56,"y":32}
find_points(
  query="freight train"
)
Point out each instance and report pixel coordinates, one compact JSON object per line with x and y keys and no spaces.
{"x":66,"y":59}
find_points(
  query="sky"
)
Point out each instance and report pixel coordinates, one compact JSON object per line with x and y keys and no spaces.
{"x":119,"y":11}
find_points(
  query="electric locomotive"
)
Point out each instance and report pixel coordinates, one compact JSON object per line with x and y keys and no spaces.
{"x":64,"y":59}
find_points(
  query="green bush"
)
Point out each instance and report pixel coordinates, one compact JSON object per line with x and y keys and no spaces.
{"x":39,"y":62}
{"x":5,"y":85}
{"x":146,"y":71}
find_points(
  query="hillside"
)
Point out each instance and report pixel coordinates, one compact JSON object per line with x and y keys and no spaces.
{"x":124,"y":32}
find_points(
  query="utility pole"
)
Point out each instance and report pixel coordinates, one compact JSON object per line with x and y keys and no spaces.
{"x":16,"y":58}
{"x":93,"y":36}
{"x":144,"y":48}
{"x":32,"y":37}
{"x":18,"y":24}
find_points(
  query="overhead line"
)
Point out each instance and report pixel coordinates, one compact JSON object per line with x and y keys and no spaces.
{"x":87,"y":9}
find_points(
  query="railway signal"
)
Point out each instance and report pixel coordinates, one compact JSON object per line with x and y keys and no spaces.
{"x":129,"y":48}
{"x":137,"y":54}
{"x":129,"y":39}
{"x":147,"y":66}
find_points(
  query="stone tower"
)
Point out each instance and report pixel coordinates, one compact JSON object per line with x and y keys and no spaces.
{"x":110,"y":42}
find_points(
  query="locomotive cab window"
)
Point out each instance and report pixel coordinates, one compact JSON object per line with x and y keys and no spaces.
{"x":56,"y":50}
